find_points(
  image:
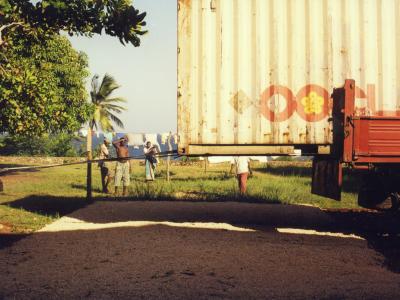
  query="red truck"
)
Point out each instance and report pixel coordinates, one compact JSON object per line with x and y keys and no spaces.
{"x":368,"y":144}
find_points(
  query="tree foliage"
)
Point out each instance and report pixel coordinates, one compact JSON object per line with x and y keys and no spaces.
{"x":41,"y":76}
{"x":43,"y":89}
{"x":105,"y":106}
{"x":61,"y":144}
{"x":85,"y":17}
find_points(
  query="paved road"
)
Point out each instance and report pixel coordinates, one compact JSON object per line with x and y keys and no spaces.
{"x":195,"y":250}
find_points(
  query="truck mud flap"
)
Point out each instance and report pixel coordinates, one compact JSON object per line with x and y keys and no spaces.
{"x":326,"y":177}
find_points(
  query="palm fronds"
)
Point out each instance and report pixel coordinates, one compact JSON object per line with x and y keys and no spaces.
{"x":105,"y":108}
{"x":108,"y":85}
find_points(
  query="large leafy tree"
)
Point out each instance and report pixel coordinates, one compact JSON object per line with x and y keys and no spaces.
{"x":43,"y":89}
{"x":41,"y":77}
{"x":85,"y":17}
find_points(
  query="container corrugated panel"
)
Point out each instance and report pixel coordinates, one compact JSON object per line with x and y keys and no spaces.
{"x":260,"y":72}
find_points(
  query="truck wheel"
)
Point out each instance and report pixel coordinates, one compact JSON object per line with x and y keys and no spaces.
{"x":376,"y":199}
{"x":370,"y":195}
{"x":374,"y":195}
{"x":388,"y":203}
{"x":395,"y":197}
{"x":371,"y":198}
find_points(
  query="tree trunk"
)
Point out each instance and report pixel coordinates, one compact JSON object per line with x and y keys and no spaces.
{"x":89,"y":165}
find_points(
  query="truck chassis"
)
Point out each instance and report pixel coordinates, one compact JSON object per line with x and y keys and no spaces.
{"x":368,"y":144}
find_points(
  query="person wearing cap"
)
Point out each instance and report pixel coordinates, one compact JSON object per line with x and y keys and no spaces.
{"x":104,"y":167}
{"x":122,"y":174}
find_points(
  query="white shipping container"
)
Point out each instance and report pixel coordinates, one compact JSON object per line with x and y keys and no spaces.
{"x":260,"y":72}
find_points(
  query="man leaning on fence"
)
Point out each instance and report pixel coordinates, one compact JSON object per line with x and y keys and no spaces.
{"x":105,"y":169}
{"x":122,"y":166}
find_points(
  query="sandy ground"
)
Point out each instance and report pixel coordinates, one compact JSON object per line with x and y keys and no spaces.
{"x":197,"y":250}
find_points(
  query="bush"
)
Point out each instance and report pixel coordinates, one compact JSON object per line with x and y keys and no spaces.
{"x":46,"y":145}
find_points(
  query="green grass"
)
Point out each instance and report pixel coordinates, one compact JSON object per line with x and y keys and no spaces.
{"x":32,"y":199}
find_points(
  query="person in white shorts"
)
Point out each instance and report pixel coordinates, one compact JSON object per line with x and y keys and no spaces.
{"x":122,"y":174}
{"x":242,"y":165}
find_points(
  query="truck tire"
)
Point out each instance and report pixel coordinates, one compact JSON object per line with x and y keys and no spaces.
{"x":395,"y":197}
{"x":371,"y":198}
{"x":372,"y":194}
{"x":389,"y":203}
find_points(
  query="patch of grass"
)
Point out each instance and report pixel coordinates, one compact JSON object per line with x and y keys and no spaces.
{"x":32,"y":199}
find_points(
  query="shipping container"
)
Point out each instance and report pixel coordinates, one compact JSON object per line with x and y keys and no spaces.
{"x":255,"y":76}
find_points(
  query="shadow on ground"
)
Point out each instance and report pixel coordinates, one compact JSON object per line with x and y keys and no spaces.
{"x":381,"y":230}
{"x":83,"y":187}
{"x":6,"y":166}
{"x":43,"y":205}
{"x":14,"y":172}
{"x":8,"y":239}
{"x":49,"y":205}
{"x":164,"y":261}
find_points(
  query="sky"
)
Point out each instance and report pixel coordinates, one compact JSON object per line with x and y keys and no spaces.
{"x":147,"y":74}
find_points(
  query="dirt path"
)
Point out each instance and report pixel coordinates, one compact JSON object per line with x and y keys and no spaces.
{"x":204,"y":250}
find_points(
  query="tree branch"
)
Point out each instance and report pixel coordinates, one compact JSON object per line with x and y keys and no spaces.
{"x":2,"y":28}
{"x":2,"y":71}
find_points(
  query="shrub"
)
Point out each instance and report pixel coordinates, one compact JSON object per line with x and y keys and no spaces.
{"x":46,"y":145}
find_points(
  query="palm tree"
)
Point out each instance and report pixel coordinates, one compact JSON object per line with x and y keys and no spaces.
{"x":105,"y":108}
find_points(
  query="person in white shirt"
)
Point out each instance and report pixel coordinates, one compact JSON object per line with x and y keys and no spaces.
{"x":104,"y":167}
{"x":242,"y":165}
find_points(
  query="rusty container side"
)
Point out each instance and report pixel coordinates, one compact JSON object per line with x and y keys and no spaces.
{"x":260,"y":72}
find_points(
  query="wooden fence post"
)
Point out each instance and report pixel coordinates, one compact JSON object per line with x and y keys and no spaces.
{"x":89,"y":182}
{"x":89,"y":166}
{"x":169,"y":147}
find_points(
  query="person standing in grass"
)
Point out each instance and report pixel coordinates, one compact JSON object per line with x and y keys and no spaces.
{"x":122,"y":167}
{"x":105,"y":169}
{"x":242,"y":166}
{"x":150,"y":152}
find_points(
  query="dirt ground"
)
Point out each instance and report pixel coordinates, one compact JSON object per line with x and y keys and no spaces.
{"x":197,"y":250}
